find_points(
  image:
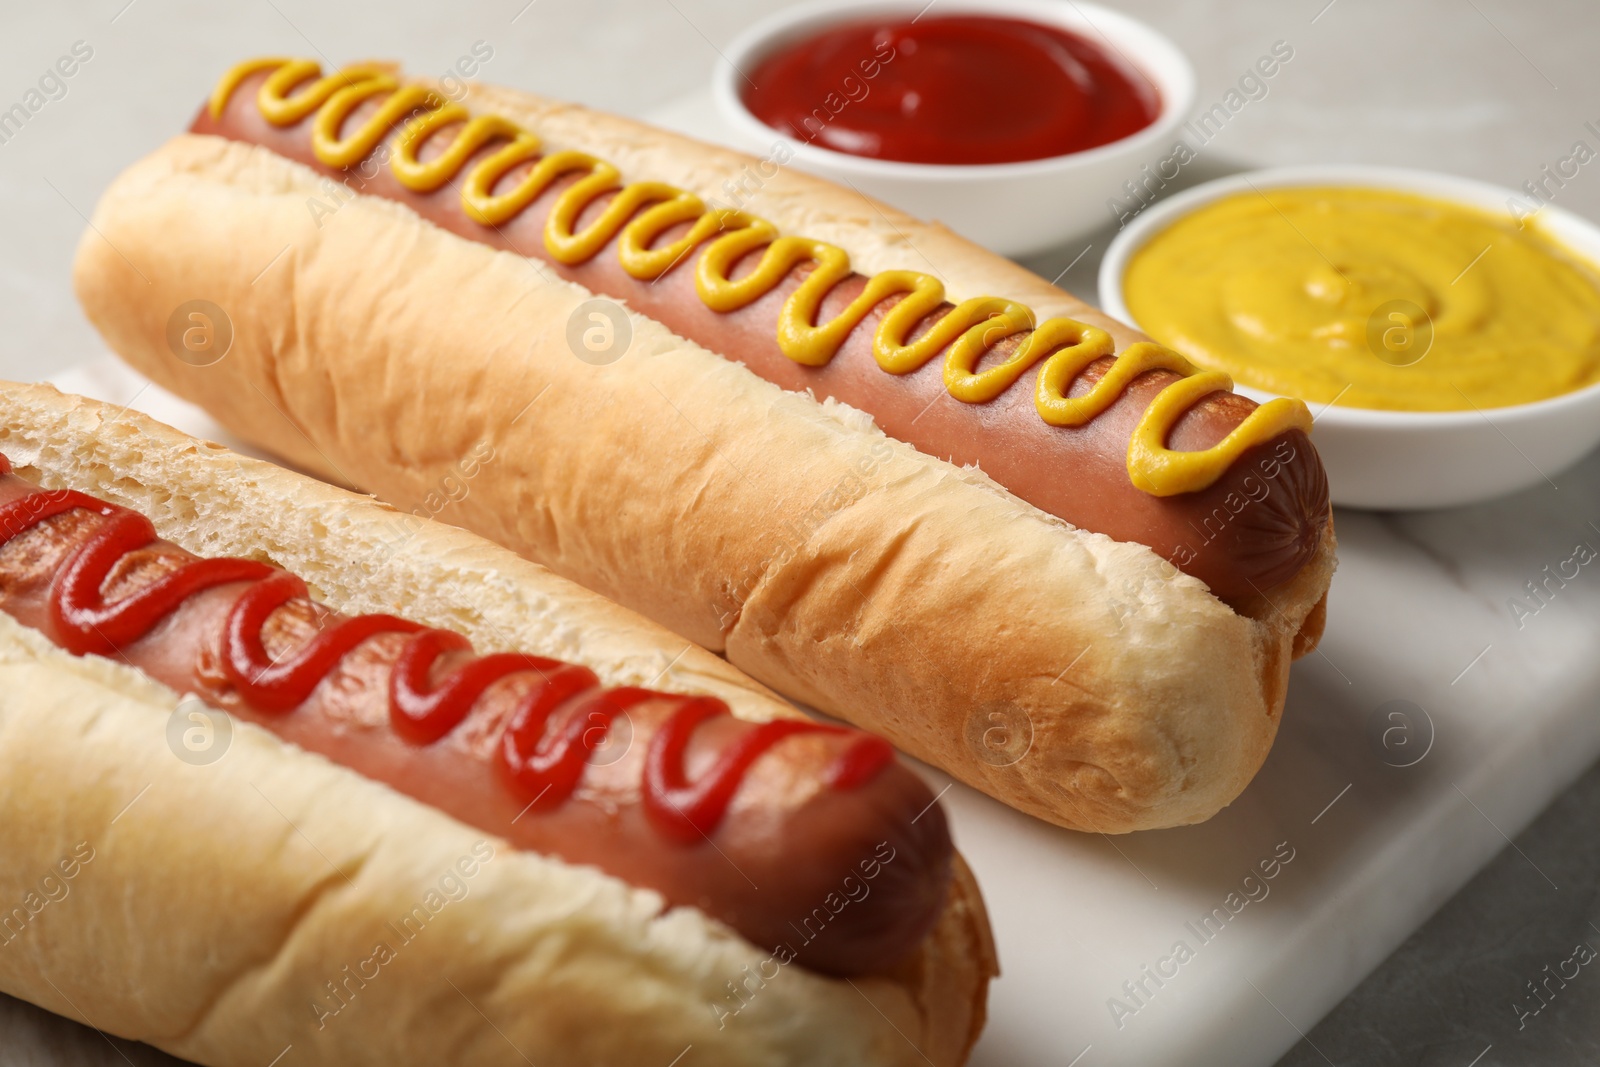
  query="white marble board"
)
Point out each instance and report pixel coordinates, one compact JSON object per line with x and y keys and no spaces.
{"x":1434,"y":722}
{"x":1366,"y":823}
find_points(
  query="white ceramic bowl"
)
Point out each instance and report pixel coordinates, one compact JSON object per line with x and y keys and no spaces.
{"x":1011,"y":208}
{"x":1404,"y":460}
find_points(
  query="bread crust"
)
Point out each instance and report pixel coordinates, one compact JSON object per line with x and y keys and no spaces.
{"x":844,"y":568}
{"x":221,"y":900}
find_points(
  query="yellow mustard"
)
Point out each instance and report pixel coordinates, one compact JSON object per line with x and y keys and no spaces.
{"x":1371,"y":298}
{"x":641,"y":212}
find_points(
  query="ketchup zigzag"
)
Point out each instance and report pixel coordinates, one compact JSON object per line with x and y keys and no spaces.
{"x":544,"y":763}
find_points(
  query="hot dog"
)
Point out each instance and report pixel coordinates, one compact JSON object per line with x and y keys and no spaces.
{"x":685,"y":794}
{"x":414,"y":708}
{"x":836,"y":522}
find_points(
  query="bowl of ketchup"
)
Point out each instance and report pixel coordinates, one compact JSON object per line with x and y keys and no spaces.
{"x":1013,"y":122}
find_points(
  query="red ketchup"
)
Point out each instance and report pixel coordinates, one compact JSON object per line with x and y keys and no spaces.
{"x":544,"y":764}
{"x":955,"y":89}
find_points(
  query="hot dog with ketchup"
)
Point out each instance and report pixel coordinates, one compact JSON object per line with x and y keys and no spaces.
{"x":751,"y":824}
{"x":1077,"y":425}
{"x":504,"y":742}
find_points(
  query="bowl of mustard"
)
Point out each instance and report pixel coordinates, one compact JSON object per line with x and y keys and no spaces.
{"x":1445,"y":332}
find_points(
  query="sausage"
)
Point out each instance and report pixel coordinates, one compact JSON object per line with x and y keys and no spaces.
{"x":815,"y":842}
{"x":1252,"y":529}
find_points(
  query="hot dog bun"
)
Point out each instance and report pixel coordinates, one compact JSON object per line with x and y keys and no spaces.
{"x":219,"y":900}
{"x":1077,"y":678}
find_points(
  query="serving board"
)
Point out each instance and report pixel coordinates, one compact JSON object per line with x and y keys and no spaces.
{"x":1433,"y":723}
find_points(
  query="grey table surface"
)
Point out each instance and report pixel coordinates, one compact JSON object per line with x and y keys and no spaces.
{"x":1490,"y":89}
